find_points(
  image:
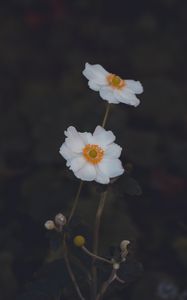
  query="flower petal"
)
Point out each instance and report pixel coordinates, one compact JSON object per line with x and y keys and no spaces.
{"x":107,"y":93}
{"x":87,"y":172}
{"x":127,"y":96}
{"x":103,"y":137}
{"x":87,"y":137}
{"x":71,"y":131}
{"x":96,"y":73}
{"x":77,"y":163}
{"x":94,"y":86}
{"x":135,"y":86}
{"x":74,"y":140}
{"x":101,"y":177}
{"x":66,"y":152}
{"x":99,"y":130}
{"x":113,"y":151}
{"x":111,"y":167}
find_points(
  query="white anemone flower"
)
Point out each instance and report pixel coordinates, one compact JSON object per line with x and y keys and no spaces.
{"x":111,"y":87}
{"x":92,"y":156}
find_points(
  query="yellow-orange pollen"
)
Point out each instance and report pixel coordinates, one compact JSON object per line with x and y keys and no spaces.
{"x":115,"y":81}
{"x":93,"y":153}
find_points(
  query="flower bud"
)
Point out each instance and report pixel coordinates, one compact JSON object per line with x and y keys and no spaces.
{"x":49,"y":225}
{"x":60,"y":221}
{"x":79,"y":241}
{"x":124,"y":248}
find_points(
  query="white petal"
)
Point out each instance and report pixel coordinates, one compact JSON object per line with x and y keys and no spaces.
{"x":66,"y":152}
{"x":135,"y":86}
{"x":94,"y":86}
{"x":87,"y":173}
{"x":111,"y":167}
{"x":99,"y":130}
{"x":74,"y":140}
{"x":87,"y":137}
{"x":96,"y":73}
{"x":113,"y":151}
{"x":77,"y":163}
{"x":103,"y":137}
{"x":127,"y":96}
{"x":101,"y":177}
{"x":71,"y":131}
{"x":107,"y":93}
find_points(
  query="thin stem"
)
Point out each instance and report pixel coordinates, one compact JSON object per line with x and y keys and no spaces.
{"x":106,"y":285}
{"x":71,"y":274}
{"x":81,"y":182}
{"x":96,"y":256}
{"x":106,"y":115}
{"x":75,"y":201}
{"x":98,"y":219}
{"x":64,"y":247}
{"x":96,"y":238}
{"x":79,"y":263}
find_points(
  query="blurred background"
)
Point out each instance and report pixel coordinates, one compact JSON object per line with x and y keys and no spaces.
{"x":44,"y":45}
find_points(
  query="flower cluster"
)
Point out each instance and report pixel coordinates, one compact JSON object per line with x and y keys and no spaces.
{"x":95,"y":157}
{"x":57,"y":224}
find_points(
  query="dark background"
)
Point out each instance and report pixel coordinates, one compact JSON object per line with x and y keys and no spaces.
{"x":44,"y":45}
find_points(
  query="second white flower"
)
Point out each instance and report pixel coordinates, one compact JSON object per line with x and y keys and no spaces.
{"x":111,"y":87}
{"x":92,"y":156}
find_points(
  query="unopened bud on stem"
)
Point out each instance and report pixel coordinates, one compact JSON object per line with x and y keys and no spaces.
{"x":49,"y":225}
{"x":60,"y":221}
{"x":124,"y":248}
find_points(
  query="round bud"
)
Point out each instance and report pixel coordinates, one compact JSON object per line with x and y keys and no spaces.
{"x":49,"y":225}
{"x":79,"y":241}
{"x":60,"y":221}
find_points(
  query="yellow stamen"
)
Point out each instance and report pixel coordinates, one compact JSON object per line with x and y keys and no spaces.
{"x":115,"y":81}
{"x":93,"y":153}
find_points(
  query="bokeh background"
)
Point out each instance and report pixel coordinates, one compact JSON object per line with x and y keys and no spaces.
{"x":44,"y":45}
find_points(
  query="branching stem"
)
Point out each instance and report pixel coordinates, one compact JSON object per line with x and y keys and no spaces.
{"x":96,"y":256}
{"x":106,"y":284}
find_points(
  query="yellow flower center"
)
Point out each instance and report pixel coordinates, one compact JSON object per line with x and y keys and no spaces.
{"x":115,"y":81}
{"x":93,"y":153}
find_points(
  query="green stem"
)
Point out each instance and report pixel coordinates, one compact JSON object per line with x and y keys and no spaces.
{"x":75,"y":202}
{"x":70,"y":271}
{"x":96,"y":239}
{"x":106,"y":115}
{"x":106,"y":285}
{"x":96,"y":256}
